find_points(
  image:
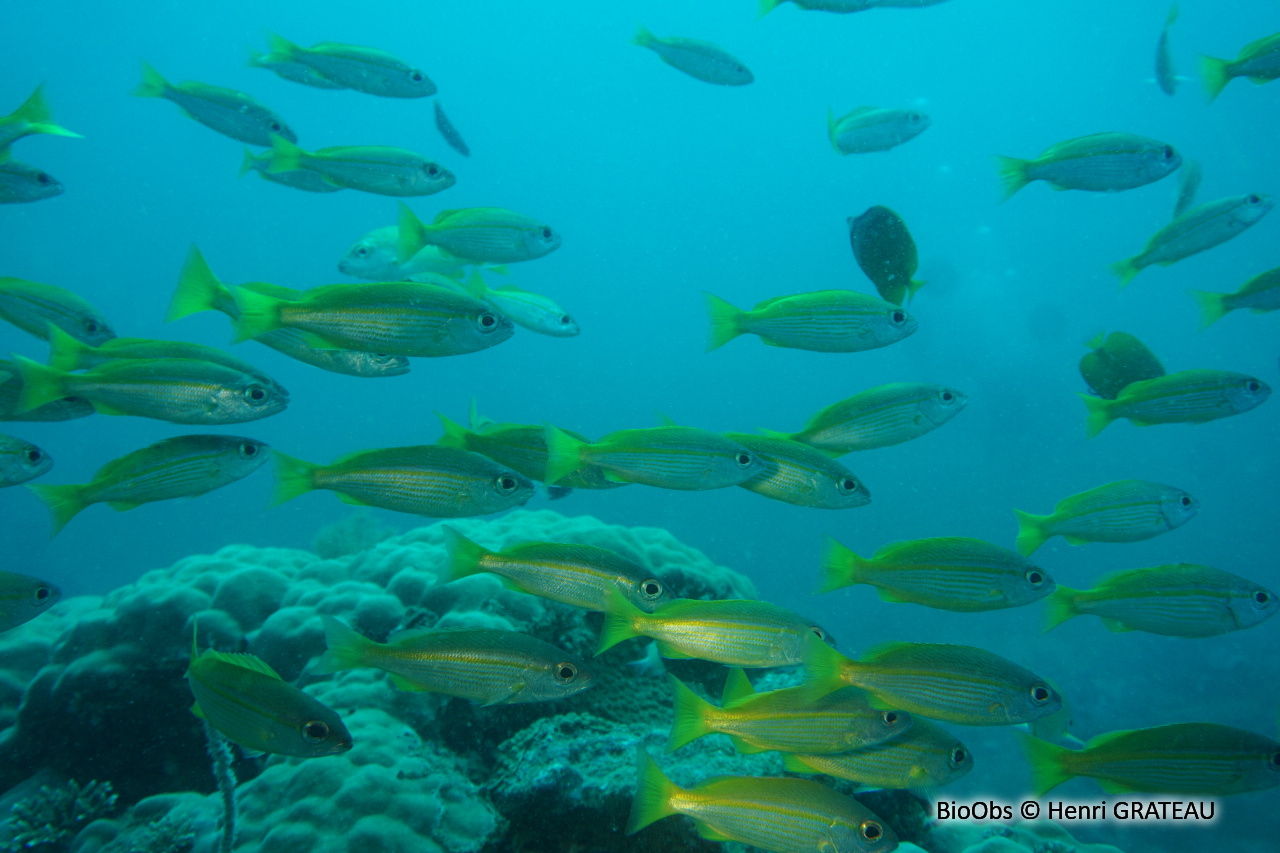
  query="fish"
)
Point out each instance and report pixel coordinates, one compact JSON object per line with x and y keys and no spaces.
{"x":1101,"y":162}
{"x":1184,"y":600}
{"x":1198,"y":229}
{"x":481,"y":664}
{"x":701,"y":60}
{"x":1166,"y":76}
{"x":66,"y":409}
{"x":926,"y":756}
{"x":374,"y":257}
{"x":396,"y":318}
{"x":734,"y":632}
{"x":954,"y":684}
{"x":33,"y":117}
{"x":1258,"y":60}
{"x":947,"y":573}
{"x":1188,"y":397}
{"x":1123,"y":511}
{"x":226,"y":111}
{"x":844,"y":7}
{"x":578,"y":575}
{"x":522,"y":447}
{"x":879,"y":417}
{"x":438,"y":482}
{"x":1116,"y":361}
{"x":449,"y":132}
{"x":478,"y":235}
{"x":380,"y":170}
{"x":1055,"y":728}
{"x":23,"y":598}
{"x":797,"y":474}
{"x":299,"y":179}
{"x":181,"y":467}
{"x":22,"y":183}
{"x":1183,"y":758}
{"x":779,"y":814}
{"x":1259,"y":294}
{"x":1188,"y":186}
{"x":668,"y":457}
{"x":825,"y":321}
{"x":884,"y":250}
{"x":782,"y":719}
{"x":177,"y":390}
{"x":364,"y":69}
{"x":200,"y":290}
{"x":21,"y":461}
{"x":253,"y":707}
{"x":287,"y":68}
{"x":869,"y":129}
{"x":34,"y":307}
{"x":529,"y":310}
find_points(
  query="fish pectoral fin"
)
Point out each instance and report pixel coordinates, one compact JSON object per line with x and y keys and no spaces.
{"x":744,"y":747}
{"x":407,"y":685}
{"x":105,"y":409}
{"x":124,"y":506}
{"x":615,"y":478}
{"x":710,"y":833}
{"x":886,"y":595}
{"x":316,"y":342}
{"x":1116,"y":626}
{"x":1075,"y":540}
{"x":350,"y":500}
{"x":512,"y":690}
{"x":195,"y":709}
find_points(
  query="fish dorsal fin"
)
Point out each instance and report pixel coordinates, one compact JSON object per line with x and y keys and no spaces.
{"x":1096,"y":341}
{"x":1104,"y":739}
{"x":881,"y":650}
{"x":737,"y":687}
{"x":665,"y":420}
{"x":445,"y":214}
{"x":862,"y":111}
{"x":244,"y":661}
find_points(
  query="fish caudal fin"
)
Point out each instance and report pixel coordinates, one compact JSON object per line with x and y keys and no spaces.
{"x":293,"y":477}
{"x":1213,"y":306}
{"x":1100,"y":414}
{"x":619,"y":622}
{"x":1013,"y":175}
{"x":346,"y":647}
{"x":152,"y":85}
{"x":643,"y":37}
{"x":285,"y":156}
{"x":35,"y":113}
{"x":726,"y":321}
{"x":198,"y":289}
{"x":1031,"y":534}
{"x":1125,"y":270}
{"x":259,"y":314}
{"x":653,"y":793}
{"x":823,"y":667}
{"x":564,"y":454}
{"x":248,"y":164}
{"x":831,"y":124}
{"x":1059,"y":607}
{"x":1215,"y":73}
{"x":40,"y":384}
{"x":65,"y":351}
{"x":690,"y":715}
{"x":64,"y":503}
{"x":455,"y":434}
{"x":767,"y":6}
{"x":412,"y":234}
{"x":1047,"y":771}
{"x":839,"y":566}
{"x":281,"y":46}
{"x":464,"y":555}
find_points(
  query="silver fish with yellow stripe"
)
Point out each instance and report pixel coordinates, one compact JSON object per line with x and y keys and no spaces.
{"x":826,"y":321}
{"x":21,"y":461}
{"x":478,"y":235}
{"x":1124,"y":511}
{"x":23,"y":598}
{"x":797,"y":474}
{"x":1188,"y":397}
{"x":926,"y":756}
{"x":879,"y":417}
{"x":669,"y":457}
{"x":34,"y":307}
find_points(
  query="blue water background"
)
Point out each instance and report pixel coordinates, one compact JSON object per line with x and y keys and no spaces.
{"x":664,"y":186}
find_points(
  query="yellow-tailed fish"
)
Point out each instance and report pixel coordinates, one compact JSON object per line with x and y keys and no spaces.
{"x":31,"y":118}
{"x":869,"y":129}
{"x":947,"y":573}
{"x":34,"y":307}
{"x":780,"y":815}
{"x":227,"y":111}
{"x":884,"y":250}
{"x":1117,"y":360}
{"x":438,"y":482}
{"x":481,"y":664}
{"x":177,"y":390}
{"x":1198,"y":229}
{"x":65,"y":409}
{"x":365,"y":69}
{"x":533,"y":311}
{"x":180,"y":467}
{"x":826,"y":321}
{"x":925,"y":757}
{"x":669,"y":457}
{"x":288,"y":68}
{"x":244,"y":699}
{"x":1188,"y":397}
{"x":797,"y":474}
{"x":1188,"y":187}
{"x":1259,"y":294}
{"x":299,"y":179}
{"x":374,"y":258}
{"x":478,"y":235}
{"x":21,"y":461}
{"x":449,"y":132}
{"x":200,"y":290}
{"x":1183,"y":758}
{"x":701,"y":60}
{"x":373,"y":169}
{"x":1184,"y":600}
{"x":1166,"y":77}
{"x":879,"y":417}
{"x":955,"y":684}
{"x":1258,"y":60}
{"x":732,"y":632}
{"x":580,"y":575}
{"x":786,"y":720}
{"x":23,"y":598}
{"x":1123,"y":511}
{"x":1102,"y":162}
{"x":22,"y":183}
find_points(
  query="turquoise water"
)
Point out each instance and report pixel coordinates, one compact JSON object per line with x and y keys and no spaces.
{"x":663,"y":187}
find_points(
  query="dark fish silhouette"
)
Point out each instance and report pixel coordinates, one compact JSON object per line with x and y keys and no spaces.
{"x":450,"y":133}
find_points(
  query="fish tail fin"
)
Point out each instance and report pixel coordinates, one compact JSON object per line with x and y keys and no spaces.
{"x":198,"y":288}
{"x":152,"y":85}
{"x":1172,"y":16}
{"x":1216,"y":75}
{"x":1031,"y":534}
{"x":248,"y":163}
{"x":285,"y":156}
{"x":346,"y":647}
{"x":766,"y":6}
{"x":643,"y":37}
{"x":1125,"y":270}
{"x":40,"y":384}
{"x":564,"y":454}
{"x":464,"y":555}
{"x":831,"y":118}
{"x":412,"y":234}
{"x":281,"y":45}
{"x":1047,"y":770}
{"x":619,"y":622}
{"x":653,"y":793}
{"x":1059,"y":607}
{"x":839,"y":566}
{"x":259,"y":314}
{"x":35,"y":112}
{"x":64,"y":503}
{"x":293,"y":477}
{"x":64,"y":350}
{"x":690,"y":715}
{"x":1213,"y":306}
{"x":455,"y":434}
{"x":474,"y":285}
{"x":256,"y":59}
{"x":726,"y":321}
{"x":1013,"y":174}
{"x":913,"y":287}
{"x":822,"y":668}
{"x":1100,"y":414}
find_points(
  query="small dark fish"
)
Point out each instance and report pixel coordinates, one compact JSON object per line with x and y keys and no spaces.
{"x":21,"y":182}
{"x":1258,"y":60}
{"x":1165,"y":75}
{"x":23,"y":598}
{"x":884,"y":250}
{"x":227,"y":111}
{"x":450,"y":133}
{"x":35,"y":307}
{"x":1188,"y":187}
{"x":21,"y":461}
{"x":1117,"y":360}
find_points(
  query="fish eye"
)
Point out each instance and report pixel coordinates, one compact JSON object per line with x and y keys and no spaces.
{"x":947,"y":397}
{"x":41,"y":594}
{"x":362,"y":252}
{"x":565,"y":320}
{"x":248,"y":450}
{"x":1185,"y":501}
{"x":898,"y":317}
{"x":431,"y":169}
{"x":487,"y":321}
{"x":44,"y":178}
{"x":1040,"y":694}
{"x":506,"y":484}
{"x":1262,"y":597}
{"x":651,"y":589}
{"x":315,"y":731}
{"x":255,"y":394}
{"x":743,"y":459}
{"x":958,"y":756}
{"x":416,"y":76}
{"x":546,"y":233}
{"x":1254,"y":199}
{"x":890,"y":717}
{"x":91,"y":325}
{"x":33,"y":455}
{"x":871,"y":830}
{"x":818,"y":632}
{"x":848,"y":486}
{"x":1168,"y":152}
{"x":275,"y":127}
{"x":1275,"y":759}
{"x":566,"y":672}
{"x":1035,"y":578}
{"x":913,"y":117}
{"x":1253,"y":386}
